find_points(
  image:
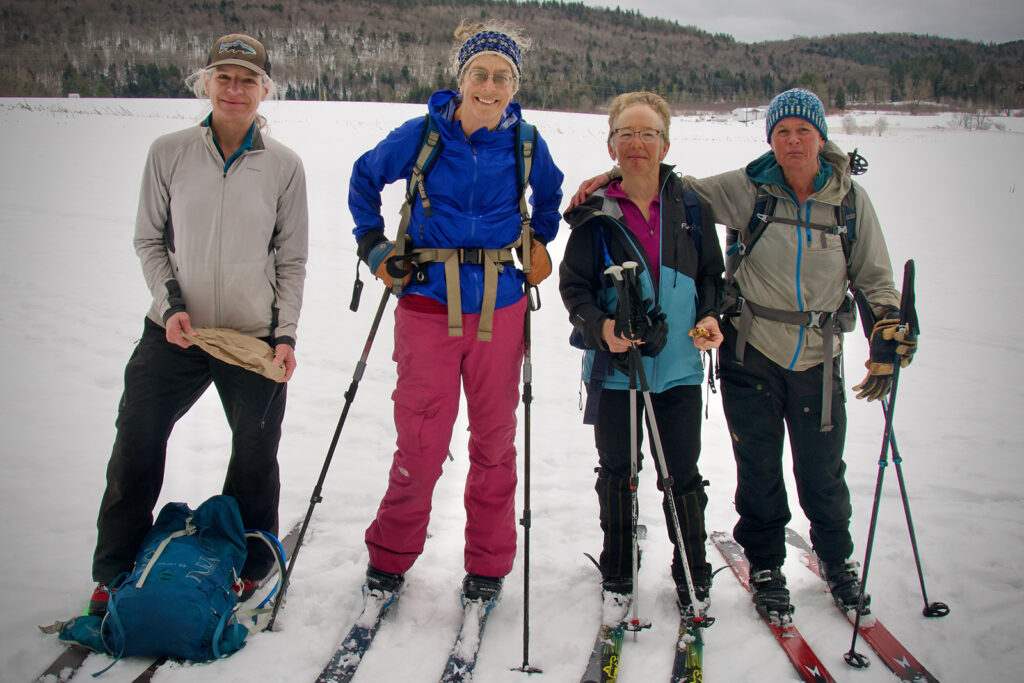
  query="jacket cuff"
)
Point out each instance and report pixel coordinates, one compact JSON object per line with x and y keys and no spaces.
{"x":367,"y":242}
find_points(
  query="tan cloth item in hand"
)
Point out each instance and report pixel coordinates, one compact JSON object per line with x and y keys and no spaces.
{"x":231,"y":346}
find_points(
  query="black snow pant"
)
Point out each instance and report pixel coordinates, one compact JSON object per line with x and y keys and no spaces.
{"x":678,"y":414}
{"x":760,"y":398}
{"x":161,"y":382}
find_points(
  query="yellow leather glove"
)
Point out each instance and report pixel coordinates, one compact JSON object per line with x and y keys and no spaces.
{"x":540,"y":263}
{"x":888,"y":343}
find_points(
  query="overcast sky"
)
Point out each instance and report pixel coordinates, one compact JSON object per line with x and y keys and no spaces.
{"x":995,"y":21}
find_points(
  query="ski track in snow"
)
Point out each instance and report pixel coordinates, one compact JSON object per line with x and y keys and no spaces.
{"x":73,"y":304}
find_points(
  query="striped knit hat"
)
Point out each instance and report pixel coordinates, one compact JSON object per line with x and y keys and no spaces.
{"x":803,"y":104}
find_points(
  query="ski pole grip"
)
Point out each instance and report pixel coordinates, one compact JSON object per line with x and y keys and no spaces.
{"x":908,"y":305}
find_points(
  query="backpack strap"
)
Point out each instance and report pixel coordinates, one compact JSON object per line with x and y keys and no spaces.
{"x":602,"y":358}
{"x":492,"y":260}
{"x":526,"y":143}
{"x":691,"y":204}
{"x":430,"y":147}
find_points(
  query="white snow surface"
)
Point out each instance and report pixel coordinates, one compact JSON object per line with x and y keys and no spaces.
{"x":73,"y":304}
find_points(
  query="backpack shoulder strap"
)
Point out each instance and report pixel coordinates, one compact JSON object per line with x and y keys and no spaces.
{"x":739,"y":243}
{"x":694,"y":218}
{"x":526,"y":145}
{"x":430,"y":147}
{"x":846,"y":216}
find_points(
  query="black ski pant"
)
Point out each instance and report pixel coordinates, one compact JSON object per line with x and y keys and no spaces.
{"x":161,"y":382}
{"x":761,"y":399}
{"x":678,"y":415}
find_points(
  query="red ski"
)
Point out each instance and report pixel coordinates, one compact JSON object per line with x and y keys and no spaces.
{"x":885,"y":644}
{"x":788,"y":637}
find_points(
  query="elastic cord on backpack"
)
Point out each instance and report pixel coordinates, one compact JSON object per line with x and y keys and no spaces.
{"x":253,"y":615}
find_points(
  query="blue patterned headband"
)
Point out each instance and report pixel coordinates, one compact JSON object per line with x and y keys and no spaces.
{"x":491,"y":41}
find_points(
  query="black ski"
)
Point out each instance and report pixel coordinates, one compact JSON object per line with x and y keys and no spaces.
{"x":462,"y":658}
{"x":357,"y":641}
{"x":881,"y":640}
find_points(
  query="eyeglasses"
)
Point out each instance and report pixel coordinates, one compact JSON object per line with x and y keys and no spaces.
{"x":501,"y":80}
{"x":626,"y":135}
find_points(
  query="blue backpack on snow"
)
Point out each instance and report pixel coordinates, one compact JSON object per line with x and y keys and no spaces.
{"x":178,"y":600}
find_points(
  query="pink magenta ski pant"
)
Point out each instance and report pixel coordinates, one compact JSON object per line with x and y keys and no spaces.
{"x":431,"y":365}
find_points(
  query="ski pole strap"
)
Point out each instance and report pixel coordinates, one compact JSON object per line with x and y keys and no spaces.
{"x":823,"y":320}
{"x":493,"y":262}
{"x":598,"y":373}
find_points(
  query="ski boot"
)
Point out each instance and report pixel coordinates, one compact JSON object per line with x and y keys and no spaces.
{"x":844,"y":584}
{"x":483,"y":588}
{"x":771,"y":597}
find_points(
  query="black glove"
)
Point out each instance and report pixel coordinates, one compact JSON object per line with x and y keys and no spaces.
{"x":888,"y":342}
{"x":620,"y":361}
{"x":657,"y":333}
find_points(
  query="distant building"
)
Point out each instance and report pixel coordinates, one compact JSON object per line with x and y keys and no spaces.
{"x":749,"y":113}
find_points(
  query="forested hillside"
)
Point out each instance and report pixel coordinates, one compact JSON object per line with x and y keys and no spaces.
{"x":396,"y":50}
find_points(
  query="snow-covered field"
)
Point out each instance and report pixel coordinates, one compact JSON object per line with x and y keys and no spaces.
{"x":73,"y":301}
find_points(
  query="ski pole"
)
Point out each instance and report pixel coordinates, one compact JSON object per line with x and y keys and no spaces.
{"x":525,"y":521}
{"x":852,"y":657}
{"x":931,"y":609}
{"x":315,"y":498}
{"x":667,"y":480}
{"x":624,"y":323}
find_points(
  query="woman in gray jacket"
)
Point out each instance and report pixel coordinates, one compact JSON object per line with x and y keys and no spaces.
{"x":222,"y":235}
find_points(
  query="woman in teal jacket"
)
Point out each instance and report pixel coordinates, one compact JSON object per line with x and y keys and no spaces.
{"x":644,"y":218}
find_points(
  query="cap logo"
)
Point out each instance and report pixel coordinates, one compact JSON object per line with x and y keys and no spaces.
{"x":237,"y":46}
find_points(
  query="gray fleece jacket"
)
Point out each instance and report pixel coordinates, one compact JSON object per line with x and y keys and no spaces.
{"x":228,"y":247}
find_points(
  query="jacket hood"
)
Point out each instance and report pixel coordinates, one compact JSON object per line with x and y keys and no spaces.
{"x":442,"y":106}
{"x":830,"y":185}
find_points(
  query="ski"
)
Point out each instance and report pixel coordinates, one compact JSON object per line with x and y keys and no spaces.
{"x":603,"y":665}
{"x":462,"y":658}
{"x":878,"y":637}
{"x":788,"y":637}
{"x":67,"y":664}
{"x":354,"y":645}
{"x":688,"y":665}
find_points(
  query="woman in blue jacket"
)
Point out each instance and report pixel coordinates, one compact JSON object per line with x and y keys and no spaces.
{"x":644,"y":218}
{"x":460,"y":319}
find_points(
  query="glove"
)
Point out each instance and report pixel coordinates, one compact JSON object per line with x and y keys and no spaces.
{"x":378,"y":259}
{"x":540,"y":262}
{"x":888,"y":343}
{"x":657,"y":333}
{"x":620,"y":361}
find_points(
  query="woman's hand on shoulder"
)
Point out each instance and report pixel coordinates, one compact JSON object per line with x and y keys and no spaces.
{"x":587,"y":188}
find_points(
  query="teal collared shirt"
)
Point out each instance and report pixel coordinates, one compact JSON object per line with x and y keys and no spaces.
{"x":246,"y":143}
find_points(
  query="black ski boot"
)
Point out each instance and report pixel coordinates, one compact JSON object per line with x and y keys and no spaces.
{"x":701,"y":586}
{"x":477,"y":587}
{"x":771,"y":597}
{"x":385,"y":582}
{"x":844,"y":583}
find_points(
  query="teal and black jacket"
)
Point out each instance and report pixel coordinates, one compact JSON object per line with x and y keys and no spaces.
{"x":689,"y":286}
